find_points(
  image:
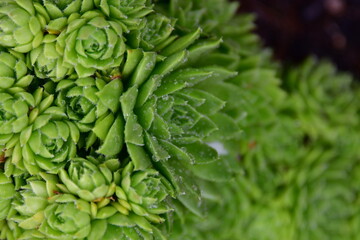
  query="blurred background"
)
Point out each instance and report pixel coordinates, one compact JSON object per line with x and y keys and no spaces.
{"x":298,"y":28}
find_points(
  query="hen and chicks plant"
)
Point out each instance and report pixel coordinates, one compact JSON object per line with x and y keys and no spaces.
{"x":139,"y":119}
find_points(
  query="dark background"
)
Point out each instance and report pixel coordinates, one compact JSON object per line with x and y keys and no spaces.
{"x":298,"y":28}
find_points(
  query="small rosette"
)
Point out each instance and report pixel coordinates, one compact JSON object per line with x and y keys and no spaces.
{"x":143,"y":192}
{"x":47,"y":61}
{"x":46,"y":144}
{"x":22,"y":24}
{"x":90,"y":42}
{"x":88,"y":181}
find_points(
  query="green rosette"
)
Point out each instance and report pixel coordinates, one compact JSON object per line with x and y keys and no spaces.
{"x":45,"y":207}
{"x":253,"y":98}
{"x":22,"y":24}
{"x":169,"y":120}
{"x":320,"y":188}
{"x":14,"y":74}
{"x":44,"y":213}
{"x":63,"y":220}
{"x":33,"y":199}
{"x":155,"y":33}
{"x":316,"y":93}
{"x":143,"y":193}
{"x":7,"y":193}
{"x":90,"y":42}
{"x":14,"y":110}
{"x":48,"y":143}
{"x":47,"y":62}
{"x":128,"y":13}
{"x":85,"y":100}
{"x":89,"y":181}
{"x":19,"y":112}
{"x":89,"y":103}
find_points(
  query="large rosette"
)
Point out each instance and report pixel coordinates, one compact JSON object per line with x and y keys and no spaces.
{"x":168,"y":120}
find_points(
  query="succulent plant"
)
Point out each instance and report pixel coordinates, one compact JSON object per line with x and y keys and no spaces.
{"x":47,"y":62}
{"x":34,"y":197}
{"x":89,"y":103}
{"x":46,"y":143}
{"x":14,"y":111}
{"x":88,"y":181}
{"x":14,"y":73}
{"x":324,"y":195}
{"x":16,"y":114}
{"x":154,"y":34}
{"x":124,"y":119}
{"x":91,"y":42}
{"x":51,"y":144}
{"x":22,"y":25}
{"x":320,"y":99}
{"x":168,"y":120}
{"x":143,"y":192}
{"x":128,"y":13}
{"x":64,"y":221}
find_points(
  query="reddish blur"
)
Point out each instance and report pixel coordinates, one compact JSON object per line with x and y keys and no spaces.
{"x":297,"y":28}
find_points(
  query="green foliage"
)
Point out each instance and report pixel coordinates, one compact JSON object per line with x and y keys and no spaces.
{"x":168,"y":120}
